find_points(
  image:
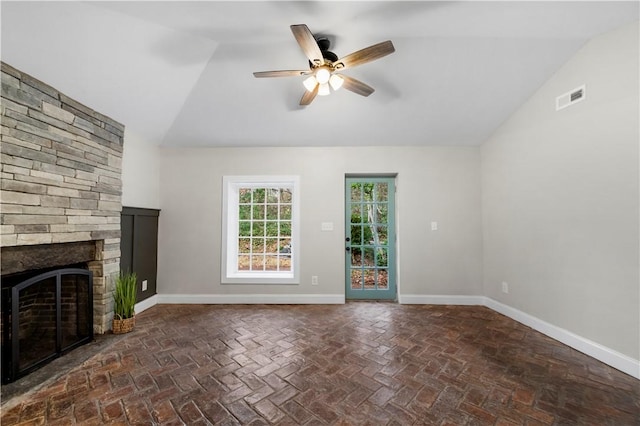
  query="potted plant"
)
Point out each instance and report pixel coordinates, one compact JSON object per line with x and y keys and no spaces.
{"x":124,"y":299}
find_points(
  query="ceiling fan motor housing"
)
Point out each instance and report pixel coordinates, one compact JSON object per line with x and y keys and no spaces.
{"x":324,"y":43}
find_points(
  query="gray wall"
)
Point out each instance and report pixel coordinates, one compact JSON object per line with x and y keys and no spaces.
{"x":434,"y":184}
{"x":560,"y":199}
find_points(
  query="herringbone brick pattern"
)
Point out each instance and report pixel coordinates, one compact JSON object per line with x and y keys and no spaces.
{"x":359,"y":363}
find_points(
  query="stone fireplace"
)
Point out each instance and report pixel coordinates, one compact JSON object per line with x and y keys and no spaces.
{"x":61,"y":186}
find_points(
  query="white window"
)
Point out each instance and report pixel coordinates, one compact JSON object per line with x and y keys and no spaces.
{"x":260,"y":230}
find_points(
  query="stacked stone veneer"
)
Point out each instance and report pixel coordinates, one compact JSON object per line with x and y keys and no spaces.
{"x":61,"y":178}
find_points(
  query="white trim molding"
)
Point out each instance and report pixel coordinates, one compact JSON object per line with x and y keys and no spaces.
{"x":595,"y":350}
{"x":423,"y":299}
{"x":146,"y":304}
{"x":253,"y":299}
{"x":231,"y":230}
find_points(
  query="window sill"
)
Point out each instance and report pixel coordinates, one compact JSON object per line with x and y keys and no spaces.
{"x":267,"y":279}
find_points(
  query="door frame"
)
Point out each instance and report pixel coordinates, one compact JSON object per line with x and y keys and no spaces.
{"x":394,"y":273}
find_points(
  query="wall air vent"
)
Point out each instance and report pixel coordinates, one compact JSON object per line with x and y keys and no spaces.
{"x":576,"y":95}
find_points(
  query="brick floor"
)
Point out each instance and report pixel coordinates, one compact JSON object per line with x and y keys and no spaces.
{"x":358,"y":363}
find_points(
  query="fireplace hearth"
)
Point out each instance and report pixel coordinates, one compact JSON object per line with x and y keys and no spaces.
{"x":45,"y":314}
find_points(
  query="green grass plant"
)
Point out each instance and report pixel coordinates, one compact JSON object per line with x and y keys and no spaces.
{"x":125,"y":296}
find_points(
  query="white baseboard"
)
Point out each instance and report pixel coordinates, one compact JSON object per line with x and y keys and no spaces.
{"x":146,"y":304}
{"x":420,"y":299}
{"x":609,"y":356}
{"x":252,"y":299}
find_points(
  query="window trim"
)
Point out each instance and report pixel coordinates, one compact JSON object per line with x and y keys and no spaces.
{"x":229,"y":253}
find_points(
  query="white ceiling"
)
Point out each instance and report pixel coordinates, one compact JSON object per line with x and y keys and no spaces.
{"x":180,"y":73}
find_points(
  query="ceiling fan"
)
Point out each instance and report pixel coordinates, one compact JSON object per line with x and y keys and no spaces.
{"x":324,"y":65}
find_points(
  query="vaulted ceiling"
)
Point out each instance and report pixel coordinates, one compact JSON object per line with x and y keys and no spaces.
{"x":180,"y":73}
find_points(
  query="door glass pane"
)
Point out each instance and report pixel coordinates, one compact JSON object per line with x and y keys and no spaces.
{"x":356,"y":257}
{"x":381,"y":258}
{"x":383,"y":279}
{"x":383,"y":213}
{"x":369,"y":278}
{"x":356,"y":235}
{"x":356,"y":191}
{"x":381,"y":191}
{"x":356,"y":279}
{"x":368,"y":257}
{"x":356,"y":213}
{"x":382,"y":235}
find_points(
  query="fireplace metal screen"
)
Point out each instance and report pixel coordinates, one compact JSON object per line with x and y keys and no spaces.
{"x":44,"y":317}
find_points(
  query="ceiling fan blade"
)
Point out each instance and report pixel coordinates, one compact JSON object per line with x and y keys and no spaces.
{"x":308,"y":43}
{"x":356,"y":86}
{"x":281,"y":73}
{"x":365,"y":55}
{"x":308,"y":96}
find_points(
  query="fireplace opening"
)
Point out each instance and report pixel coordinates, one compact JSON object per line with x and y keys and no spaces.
{"x":45,"y":314}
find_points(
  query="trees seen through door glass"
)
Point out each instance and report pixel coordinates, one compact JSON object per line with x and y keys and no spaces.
{"x":369,"y":235}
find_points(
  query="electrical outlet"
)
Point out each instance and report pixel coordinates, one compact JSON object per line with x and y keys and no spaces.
{"x":314,"y":280}
{"x":144,"y":285}
{"x":505,"y":287}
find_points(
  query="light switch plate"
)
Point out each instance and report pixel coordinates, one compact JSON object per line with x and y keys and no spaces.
{"x":434,"y":226}
{"x":326,"y":226}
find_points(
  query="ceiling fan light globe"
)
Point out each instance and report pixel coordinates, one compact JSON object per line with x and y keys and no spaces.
{"x":324,"y":90}
{"x":336,"y":81}
{"x":323,"y":75}
{"x":310,"y":83}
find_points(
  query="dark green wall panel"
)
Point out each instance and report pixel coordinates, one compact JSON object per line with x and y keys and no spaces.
{"x":139,"y":247}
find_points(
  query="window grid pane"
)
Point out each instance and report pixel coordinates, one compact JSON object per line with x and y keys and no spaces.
{"x":264,"y":229}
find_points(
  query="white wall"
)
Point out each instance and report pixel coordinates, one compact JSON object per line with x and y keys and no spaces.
{"x":140,"y":172}
{"x":434,"y":184}
{"x":560,"y":197}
